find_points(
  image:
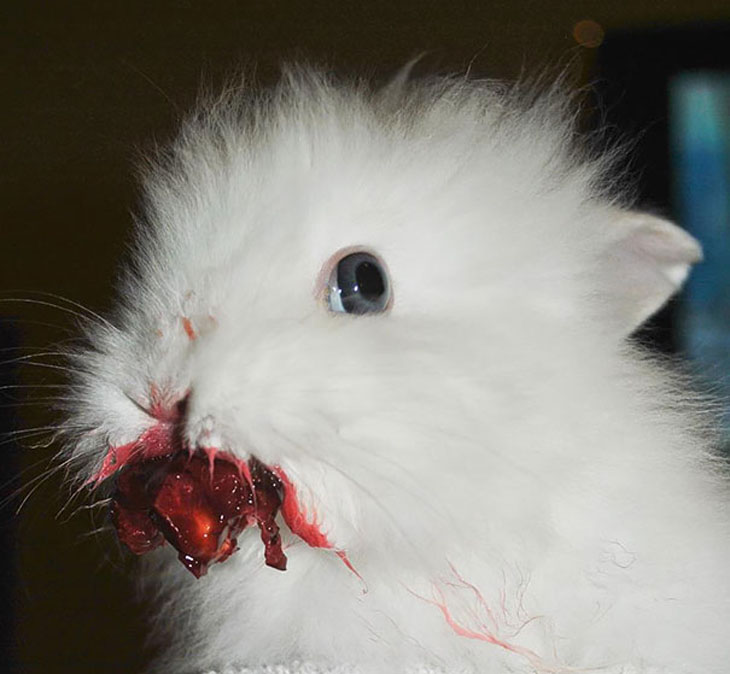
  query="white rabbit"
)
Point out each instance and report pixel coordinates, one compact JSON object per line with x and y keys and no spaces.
{"x":413,"y":304}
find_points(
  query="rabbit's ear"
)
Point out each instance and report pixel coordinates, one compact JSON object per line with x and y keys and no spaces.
{"x":646,"y":261}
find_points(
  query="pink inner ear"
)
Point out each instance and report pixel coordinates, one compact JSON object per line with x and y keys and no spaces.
{"x":645,"y":262}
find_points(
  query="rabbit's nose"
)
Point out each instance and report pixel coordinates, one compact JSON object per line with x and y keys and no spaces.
{"x":164,"y":437}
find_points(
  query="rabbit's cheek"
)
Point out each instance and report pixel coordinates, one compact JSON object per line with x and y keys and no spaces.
{"x":305,"y":522}
{"x":302,"y":521}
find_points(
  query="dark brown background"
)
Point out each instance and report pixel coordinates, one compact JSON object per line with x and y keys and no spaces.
{"x":85,"y":86}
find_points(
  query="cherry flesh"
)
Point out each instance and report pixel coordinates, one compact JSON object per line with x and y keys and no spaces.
{"x":200,"y":504}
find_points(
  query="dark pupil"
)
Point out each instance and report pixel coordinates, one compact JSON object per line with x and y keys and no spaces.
{"x":362,"y":285}
{"x":369,"y":281}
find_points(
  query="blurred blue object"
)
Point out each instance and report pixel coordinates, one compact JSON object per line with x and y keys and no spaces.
{"x":699,"y":123}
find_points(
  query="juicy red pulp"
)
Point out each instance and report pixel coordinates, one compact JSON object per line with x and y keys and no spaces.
{"x":199,"y":504}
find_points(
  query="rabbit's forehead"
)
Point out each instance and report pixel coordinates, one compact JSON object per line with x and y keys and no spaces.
{"x":438,"y":243}
{"x":462,"y":228}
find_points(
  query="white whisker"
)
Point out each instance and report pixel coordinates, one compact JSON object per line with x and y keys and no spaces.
{"x":27,"y":358}
{"x":83,"y":317}
{"x":73,"y":303}
{"x":15,"y":387}
{"x":50,"y":366}
{"x":35,"y":402}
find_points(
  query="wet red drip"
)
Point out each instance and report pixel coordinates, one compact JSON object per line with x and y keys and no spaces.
{"x":153,"y":443}
{"x":197,"y":504}
{"x":306,"y":525}
{"x":301,"y":523}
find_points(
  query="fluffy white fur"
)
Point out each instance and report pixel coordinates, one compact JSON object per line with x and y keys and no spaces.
{"x":494,"y":435}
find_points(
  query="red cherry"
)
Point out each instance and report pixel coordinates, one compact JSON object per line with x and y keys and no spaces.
{"x":198,"y":505}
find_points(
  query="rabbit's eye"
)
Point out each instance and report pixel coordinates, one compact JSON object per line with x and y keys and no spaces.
{"x":359,"y":285}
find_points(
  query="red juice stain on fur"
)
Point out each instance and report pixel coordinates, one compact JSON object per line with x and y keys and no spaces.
{"x":301,"y":523}
{"x":153,"y":443}
{"x":158,"y":441}
{"x":189,"y":329}
{"x":305,"y":525}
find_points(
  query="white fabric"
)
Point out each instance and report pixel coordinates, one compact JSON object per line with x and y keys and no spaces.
{"x":306,"y":668}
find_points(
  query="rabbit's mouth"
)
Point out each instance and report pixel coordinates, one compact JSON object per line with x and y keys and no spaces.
{"x":199,"y":501}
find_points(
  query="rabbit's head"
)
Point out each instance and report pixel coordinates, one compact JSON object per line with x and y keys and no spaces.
{"x":402,"y":308}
